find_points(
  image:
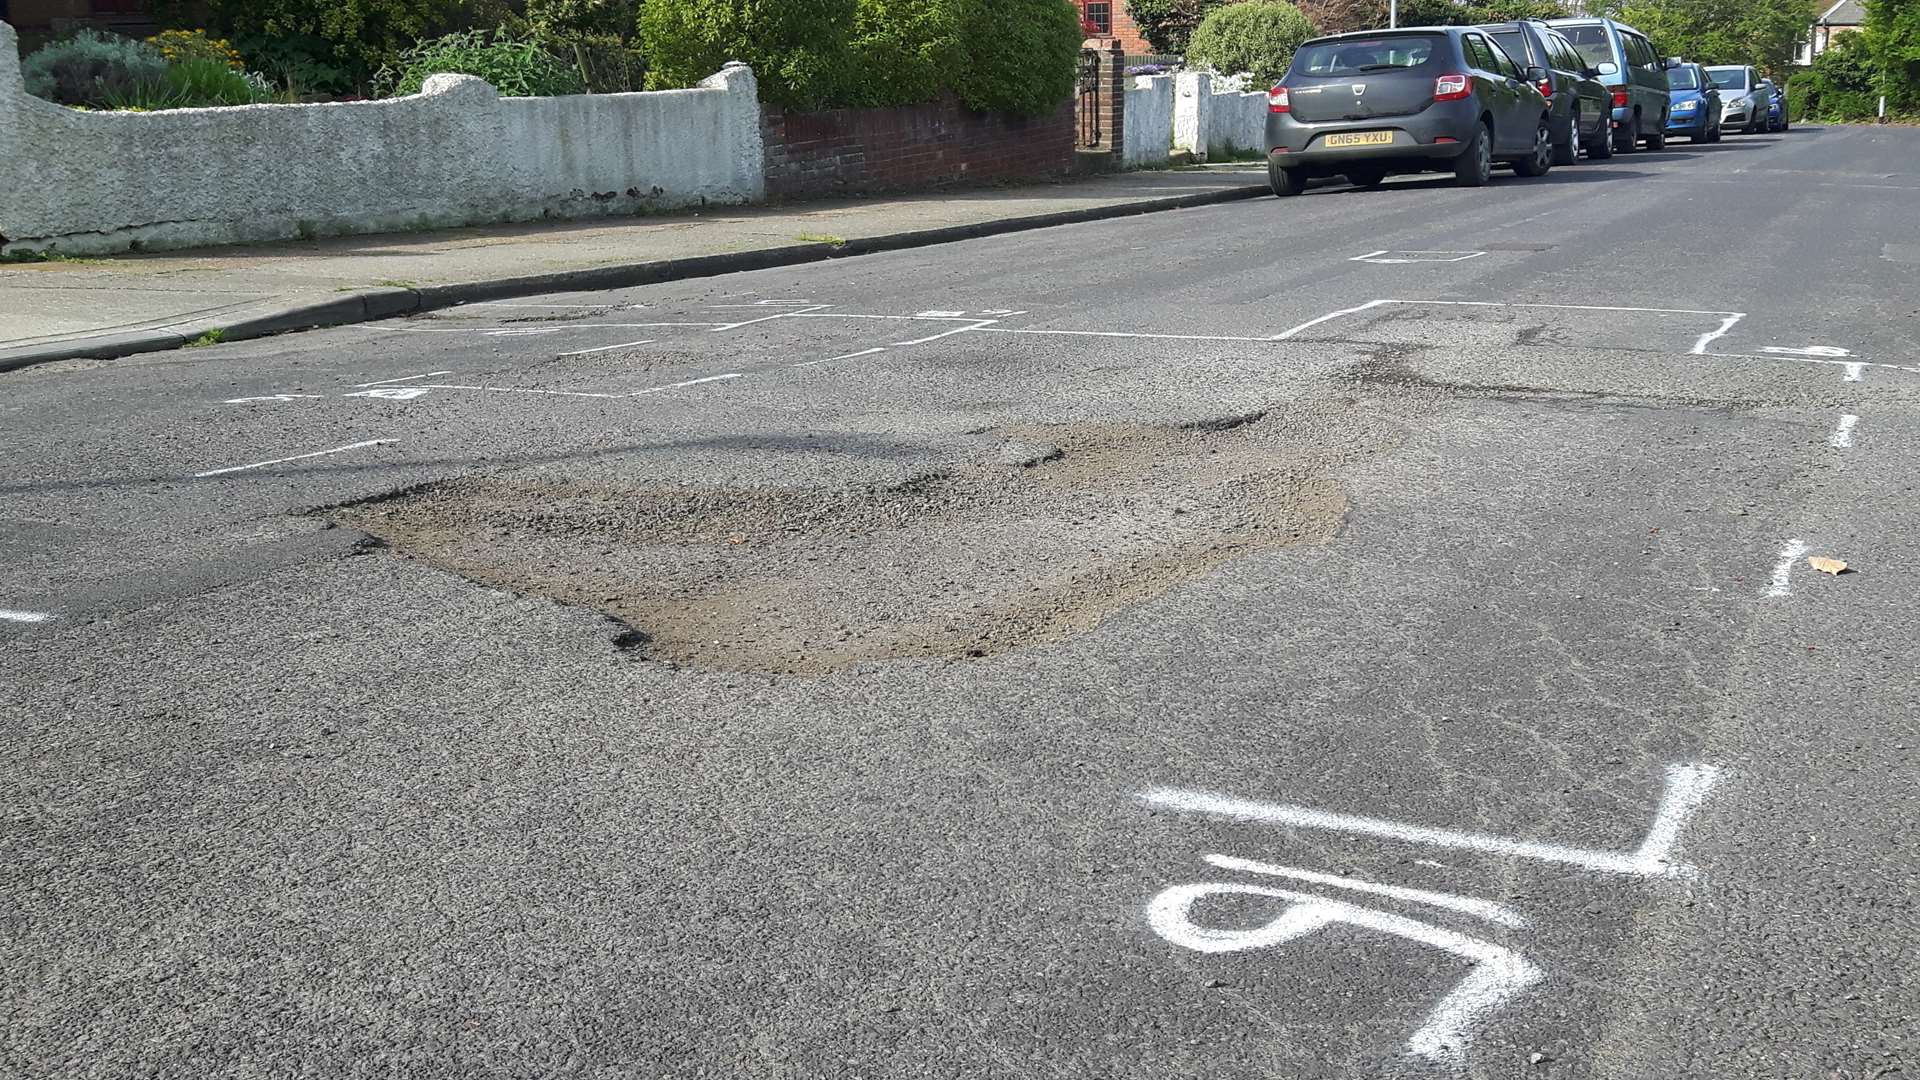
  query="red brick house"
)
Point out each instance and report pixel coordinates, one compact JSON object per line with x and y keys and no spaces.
{"x":1109,"y":18}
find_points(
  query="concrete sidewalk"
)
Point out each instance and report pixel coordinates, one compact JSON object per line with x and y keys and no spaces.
{"x":142,"y":303}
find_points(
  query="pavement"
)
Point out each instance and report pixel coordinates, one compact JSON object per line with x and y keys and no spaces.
{"x":127,"y":305}
{"x":1363,"y":635}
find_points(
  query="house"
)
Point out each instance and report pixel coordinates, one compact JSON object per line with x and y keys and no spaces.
{"x":1844,"y":17}
{"x":1109,"y":19}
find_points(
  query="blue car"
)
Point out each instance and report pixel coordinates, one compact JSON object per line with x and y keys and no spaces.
{"x":1693,"y":107}
{"x":1777,"y":108}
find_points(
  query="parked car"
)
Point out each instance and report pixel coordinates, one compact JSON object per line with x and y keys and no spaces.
{"x":1369,"y":104}
{"x":1693,"y":103}
{"x":1777,"y":119}
{"x":1579,"y":102}
{"x":1627,"y":64}
{"x":1741,"y":103}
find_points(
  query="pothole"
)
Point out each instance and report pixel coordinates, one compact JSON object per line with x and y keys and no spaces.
{"x":1045,"y":532}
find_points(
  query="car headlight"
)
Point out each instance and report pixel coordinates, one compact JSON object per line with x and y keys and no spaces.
{"x":1685,"y":106}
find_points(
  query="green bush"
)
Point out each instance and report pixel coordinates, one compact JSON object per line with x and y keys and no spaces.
{"x":800,"y":50}
{"x":904,"y":51}
{"x":1167,"y":24}
{"x":1256,"y":36}
{"x":515,"y":67}
{"x":601,"y":38}
{"x":329,"y":45}
{"x":1022,"y":56}
{"x":1843,"y":83}
{"x":92,"y":69}
{"x":1893,"y":36}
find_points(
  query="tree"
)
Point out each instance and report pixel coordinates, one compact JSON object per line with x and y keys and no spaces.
{"x":799,"y":49}
{"x":1340,"y":16}
{"x":1764,"y":33}
{"x":1167,"y":24}
{"x":331,"y":45}
{"x":1844,"y":83}
{"x":1255,"y":36}
{"x":1893,"y":38}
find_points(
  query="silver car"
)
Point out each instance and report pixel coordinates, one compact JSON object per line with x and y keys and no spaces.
{"x":1744,"y":102}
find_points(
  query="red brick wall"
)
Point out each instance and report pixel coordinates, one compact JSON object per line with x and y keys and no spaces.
{"x":909,"y":147}
{"x":1128,"y":32}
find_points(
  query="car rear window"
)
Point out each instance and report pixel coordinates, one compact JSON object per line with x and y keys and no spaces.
{"x":1515,"y":43}
{"x":1593,"y":42}
{"x":1729,"y":78}
{"x":1683,"y":78}
{"x":1355,"y":56}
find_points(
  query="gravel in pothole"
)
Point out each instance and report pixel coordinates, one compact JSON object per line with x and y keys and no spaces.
{"x":1047,"y":531}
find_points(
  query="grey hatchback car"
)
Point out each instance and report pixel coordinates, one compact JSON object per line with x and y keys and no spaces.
{"x":1369,"y":104}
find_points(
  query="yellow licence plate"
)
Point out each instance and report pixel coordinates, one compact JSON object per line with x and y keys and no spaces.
{"x":1359,"y":138}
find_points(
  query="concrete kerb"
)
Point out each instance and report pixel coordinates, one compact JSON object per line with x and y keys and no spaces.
{"x":374,"y":304}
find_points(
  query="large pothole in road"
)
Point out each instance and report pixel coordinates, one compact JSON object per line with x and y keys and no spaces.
{"x":1051,"y":530}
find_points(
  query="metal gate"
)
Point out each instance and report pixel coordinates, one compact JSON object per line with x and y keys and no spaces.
{"x":1088,"y":108}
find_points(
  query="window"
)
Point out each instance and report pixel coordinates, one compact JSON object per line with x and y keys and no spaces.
{"x":1565,"y":56}
{"x":1641,"y":50}
{"x":1487,"y":57}
{"x":1684,"y":77}
{"x":1593,"y":42}
{"x":1514,"y":43}
{"x":1728,"y":78}
{"x":1099,"y":15}
{"x":1373,"y":54}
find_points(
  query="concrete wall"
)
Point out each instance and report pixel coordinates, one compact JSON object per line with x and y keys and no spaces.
{"x":1192,"y":112}
{"x":1237,"y":125}
{"x":1149,"y":119}
{"x":455,"y":154}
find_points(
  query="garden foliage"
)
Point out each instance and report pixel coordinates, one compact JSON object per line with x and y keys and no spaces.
{"x":515,"y":67}
{"x":92,"y":69}
{"x":1254,"y":36}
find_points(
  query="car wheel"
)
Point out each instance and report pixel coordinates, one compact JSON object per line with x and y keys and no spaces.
{"x":1714,"y":134}
{"x":1286,"y":181}
{"x":1566,"y":148}
{"x":1627,"y":139}
{"x":1538,"y":162}
{"x":1601,"y":148}
{"x":1657,"y":139}
{"x":1474,"y":166}
{"x":1366,"y":178}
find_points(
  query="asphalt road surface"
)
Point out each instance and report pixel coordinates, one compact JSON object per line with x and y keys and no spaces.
{"x":1363,"y":635}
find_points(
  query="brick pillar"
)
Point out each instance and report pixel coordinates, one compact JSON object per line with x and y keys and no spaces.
{"x":1101,"y":114}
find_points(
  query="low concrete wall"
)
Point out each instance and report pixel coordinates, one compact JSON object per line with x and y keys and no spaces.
{"x":1149,"y":119}
{"x":910,"y":147}
{"x":1237,"y":125}
{"x":455,"y":154}
{"x":1192,"y":112}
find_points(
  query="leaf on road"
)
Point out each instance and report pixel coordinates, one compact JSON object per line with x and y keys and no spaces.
{"x":1826,"y":565}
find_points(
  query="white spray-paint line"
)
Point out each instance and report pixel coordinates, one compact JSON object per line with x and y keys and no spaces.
{"x":269,"y":397}
{"x":1685,"y":784}
{"x":515,"y":390}
{"x":1850,"y":365}
{"x":772,"y":317}
{"x":296,"y":457}
{"x":824,"y":314}
{"x":680,"y":385}
{"x":1559,"y":307}
{"x":403,"y":378}
{"x":981,"y":325}
{"x":392,"y":393}
{"x":526,"y":331}
{"x":608,"y":348}
{"x":1855,"y":372}
{"x":1782,"y":584}
{"x":497,"y":330}
{"x":1810,"y":350}
{"x":1687,"y":789}
{"x":1842,"y":436}
{"x":1286,"y":335}
{"x":10,"y":615}
{"x":1368,"y":255}
{"x":1711,"y":336}
{"x":1485,"y":909}
{"x":1396,"y":260}
{"x":556,"y":307}
{"x":1498,"y":974}
{"x":1121,"y":334}
{"x":759,"y":304}
{"x":831,"y":359}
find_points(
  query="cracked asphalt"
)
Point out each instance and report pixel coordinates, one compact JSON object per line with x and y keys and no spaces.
{"x":1444,"y":628}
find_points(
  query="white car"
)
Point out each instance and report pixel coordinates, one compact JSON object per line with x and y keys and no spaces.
{"x":1744,"y":103}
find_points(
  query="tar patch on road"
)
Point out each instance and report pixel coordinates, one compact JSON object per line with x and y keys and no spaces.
{"x":1036,"y":534}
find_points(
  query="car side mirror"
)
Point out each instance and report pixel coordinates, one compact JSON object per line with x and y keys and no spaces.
{"x":1608,"y":68}
{"x":1536,"y":74}
{"x":1672,"y":62}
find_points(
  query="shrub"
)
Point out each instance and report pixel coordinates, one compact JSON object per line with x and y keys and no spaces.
{"x":515,"y":67}
{"x":599,"y":37}
{"x":1255,"y":36}
{"x":1167,"y":24}
{"x":800,"y":49}
{"x":179,"y":45}
{"x":92,"y":69}
{"x":1843,"y":84}
{"x":1022,"y":56}
{"x":333,"y":44}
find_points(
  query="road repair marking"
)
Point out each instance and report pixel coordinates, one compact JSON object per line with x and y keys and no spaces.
{"x":1855,"y":372}
{"x":1711,"y":336}
{"x":1393,"y":258}
{"x":1811,"y":350}
{"x":296,"y":457}
{"x":981,"y":325}
{"x":1485,"y":909}
{"x":1842,"y":436}
{"x":831,"y":359}
{"x":1782,"y":584}
{"x":10,"y":615}
{"x":607,"y":348}
{"x":401,"y":379}
{"x":679,"y":385}
{"x":1687,"y":787}
{"x":269,"y":397}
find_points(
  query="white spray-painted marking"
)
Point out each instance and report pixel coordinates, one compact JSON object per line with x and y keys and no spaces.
{"x":1855,"y":372}
{"x":1485,"y":909}
{"x":981,"y":325}
{"x":392,"y":393}
{"x":1687,"y":786}
{"x":511,"y":331}
{"x":845,"y":356}
{"x":1850,"y":365}
{"x":772,"y":317}
{"x":1498,"y":974}
{"x":526,"y":331}
{"x":296,"y":457}
{"x":608,"y":348}
{"x":1711,"y":336}
{"x":1842,"y":436}
{"x":404,"y":378}
{"x":518,"y":390}
{"x":1395,"y":256}
{"x":1287,"y":335}
{"x":1810,"y":350}
{"x":268,"y":397}
{"x":939,"y":314}
{"x":1782,"y":584}
{"x":10,"y":615}
{"x":1121,"y":334}
{"x":689,"y":382}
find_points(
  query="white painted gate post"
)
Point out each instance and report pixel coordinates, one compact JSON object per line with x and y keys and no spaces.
{"x":1192,"y":112}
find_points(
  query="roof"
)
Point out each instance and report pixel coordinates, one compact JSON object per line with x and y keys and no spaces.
{"x":1844,"y":13}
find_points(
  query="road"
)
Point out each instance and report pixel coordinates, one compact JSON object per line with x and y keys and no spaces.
{"x":1361,"y":635}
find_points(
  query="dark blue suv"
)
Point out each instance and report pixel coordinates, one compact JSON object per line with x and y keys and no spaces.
{"x":1369,"y":104}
